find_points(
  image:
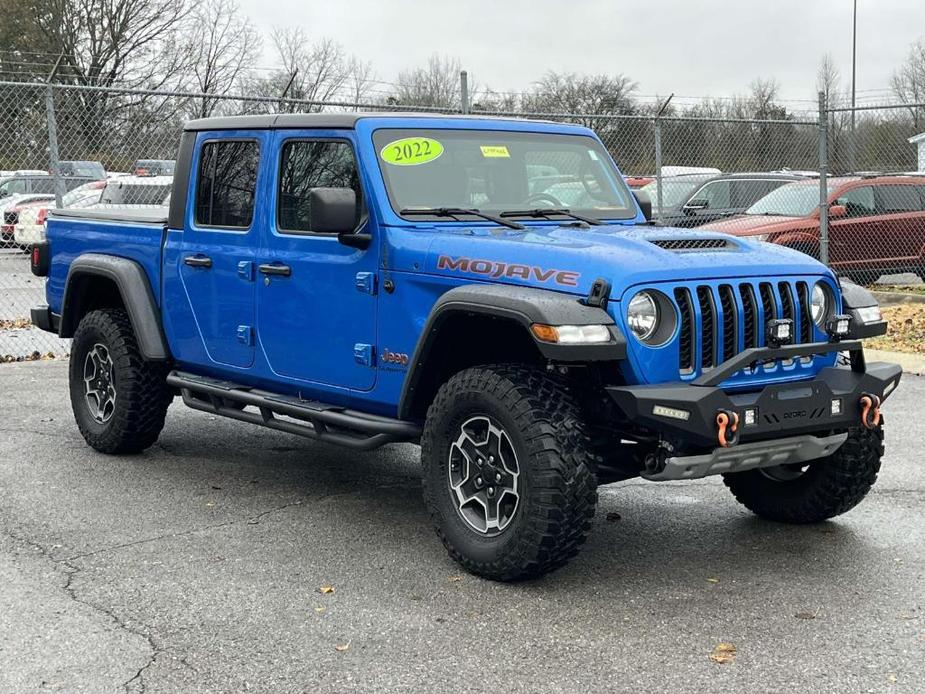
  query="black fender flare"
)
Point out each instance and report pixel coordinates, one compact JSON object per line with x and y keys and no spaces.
{"x":525,"y":306}
{"x":135,"y":290}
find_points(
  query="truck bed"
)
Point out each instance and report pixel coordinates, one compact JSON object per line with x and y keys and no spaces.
{"x":134,"y":233}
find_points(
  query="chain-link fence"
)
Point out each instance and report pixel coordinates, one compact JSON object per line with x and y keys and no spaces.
{"x":819,"y":186}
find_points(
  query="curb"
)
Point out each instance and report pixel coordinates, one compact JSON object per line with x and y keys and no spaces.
{"x":897,"y":298}
{"x":913,"y":364}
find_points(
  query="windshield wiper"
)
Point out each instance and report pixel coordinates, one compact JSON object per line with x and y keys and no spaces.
{"x":545,"y":212}
{"x":456,"y":211}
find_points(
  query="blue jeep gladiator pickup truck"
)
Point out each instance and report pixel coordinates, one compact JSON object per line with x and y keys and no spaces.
{"x":488,"y":288}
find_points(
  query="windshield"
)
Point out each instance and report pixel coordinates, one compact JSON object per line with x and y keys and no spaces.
{"x":675,"y":190}
{"x":82,"y":169}
{"x":791,"y":200}
{"x":500,"y":171}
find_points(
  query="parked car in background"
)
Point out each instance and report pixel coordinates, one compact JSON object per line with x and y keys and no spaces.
{"x":135,"y":191}
{"x":90,"y":170}
{"x":29,"y":228}
{"x":876,"y":225}
{"x":693,"y":200}
{"x":21,"y":183}
{"x":10,"y":207}
{"x":42,"y":182}
{"x":154,"y":167}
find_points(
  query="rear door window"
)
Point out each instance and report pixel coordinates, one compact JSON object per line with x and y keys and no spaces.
{"x":227,"y":183}
{"x":45,"y":184}
{"x":896,"y":199}
{"x":746,"y":193}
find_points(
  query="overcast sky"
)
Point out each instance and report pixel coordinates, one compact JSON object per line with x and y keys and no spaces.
{"x":690,"y":47}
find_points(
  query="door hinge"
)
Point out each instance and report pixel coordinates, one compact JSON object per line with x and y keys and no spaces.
{"x":246,"y":270}
{"x":364,"y":354}
{"x":246,"y":335}
{"x":366,"y":282}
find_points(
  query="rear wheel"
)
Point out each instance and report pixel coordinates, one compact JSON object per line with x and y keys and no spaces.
{"x":119,"y":399}
{"x":507,"y":472}
{"x":815,"y":491}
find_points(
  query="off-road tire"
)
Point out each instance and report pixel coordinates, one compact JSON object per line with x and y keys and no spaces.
{"x":829,"y":486}
{"x":552,"y":445}
{"x":142,"y":392}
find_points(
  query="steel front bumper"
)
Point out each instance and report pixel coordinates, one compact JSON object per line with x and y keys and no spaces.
{"x":834,"y":400}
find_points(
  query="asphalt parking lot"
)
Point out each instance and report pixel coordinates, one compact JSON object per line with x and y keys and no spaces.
{"x":196,"y":567}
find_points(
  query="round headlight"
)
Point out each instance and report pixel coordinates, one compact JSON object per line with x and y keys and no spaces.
{"x":642,"y":315}
{"x":819,"y":307}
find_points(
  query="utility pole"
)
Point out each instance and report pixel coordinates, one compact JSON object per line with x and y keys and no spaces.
{"x":53,"y":155}
{"x":464,"y":91}
{"x":854,"y":70}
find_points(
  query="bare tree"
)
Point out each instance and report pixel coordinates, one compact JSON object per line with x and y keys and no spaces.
{"x":361,"y":78}
{"x":589,"y":94}
{"x":133,"y":43}
{"x":434,"y":85}
{"x":111,"y":43}
{"x":223,"y":45}
{"x":908,"y":82}
{"x":828,"y":81}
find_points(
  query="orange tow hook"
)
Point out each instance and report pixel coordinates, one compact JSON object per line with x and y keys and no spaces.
{"x":870,"y":411}
{"x":728,"y":423}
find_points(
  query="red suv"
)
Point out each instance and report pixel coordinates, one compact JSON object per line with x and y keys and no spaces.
{"x":876,"y":224}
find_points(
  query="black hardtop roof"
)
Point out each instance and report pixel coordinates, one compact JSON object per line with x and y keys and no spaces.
{"x":322,"y":120}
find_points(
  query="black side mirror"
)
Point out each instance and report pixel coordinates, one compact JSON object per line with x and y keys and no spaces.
{"x":645,"y":204}
{"x":334,"y":211}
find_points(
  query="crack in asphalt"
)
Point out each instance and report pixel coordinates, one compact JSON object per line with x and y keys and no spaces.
{"x":68,"y":587}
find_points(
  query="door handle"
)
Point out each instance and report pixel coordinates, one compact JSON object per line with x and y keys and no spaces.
{"x":275,"y":269}
{"x":198,"y":261}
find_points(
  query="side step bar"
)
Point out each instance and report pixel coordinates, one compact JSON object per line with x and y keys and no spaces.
{"x":308,"y":418}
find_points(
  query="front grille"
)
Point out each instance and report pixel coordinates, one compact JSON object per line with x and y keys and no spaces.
{"x":10,"y":217}
{"x":719,"y":321}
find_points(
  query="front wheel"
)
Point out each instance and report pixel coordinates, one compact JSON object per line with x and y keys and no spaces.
{"x":119,"y":399}
{"x":507,"y":472}
{"x":815,"y":491}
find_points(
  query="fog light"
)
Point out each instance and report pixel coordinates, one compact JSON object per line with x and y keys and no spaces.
{"x":838,"y":326}
{"x":779,"y":331}
{"x":672,"y":412}
{"x":751,"y":416}
{"x":836,"y":406}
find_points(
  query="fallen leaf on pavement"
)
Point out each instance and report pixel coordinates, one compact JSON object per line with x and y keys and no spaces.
{"x":341,"y":647}
{"x":723,"y":653}
{"x":806,"y":615}
{"x":319,"y":609}
{"x":613,"y":516}
{"x":712,"y":580}
{"x":326,"y":589}
{"x":454,"y":579}
{"x":891,"y":677}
